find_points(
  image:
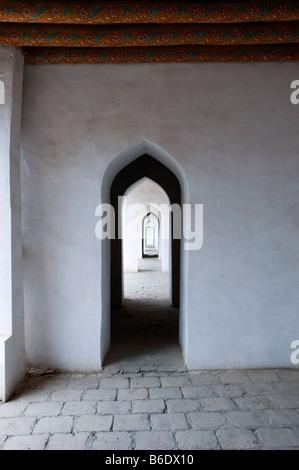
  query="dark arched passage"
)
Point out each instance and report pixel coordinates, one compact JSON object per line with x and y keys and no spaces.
{"x":143,"y":166}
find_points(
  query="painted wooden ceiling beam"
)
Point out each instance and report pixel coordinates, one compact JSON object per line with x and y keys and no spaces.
{"x":148,"y":12}
{"x":151,"y":35}
{"x":151,"y":31}
{"x":254,"y":53}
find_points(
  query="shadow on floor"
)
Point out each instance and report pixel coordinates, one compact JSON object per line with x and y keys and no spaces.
{"x":144,"y":332}
{"x":144,"y":336}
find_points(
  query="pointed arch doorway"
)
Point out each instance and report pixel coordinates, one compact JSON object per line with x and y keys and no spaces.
{"x":142,"y":159}
{"x":150,"y":236}
{"x":141,"y":167}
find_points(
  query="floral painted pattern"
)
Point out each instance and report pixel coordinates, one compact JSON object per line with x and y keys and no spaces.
{"x":162,"y":54}
{"x":152,"y":35}
{"x":184,"y":12}
{"x":168,"y":31}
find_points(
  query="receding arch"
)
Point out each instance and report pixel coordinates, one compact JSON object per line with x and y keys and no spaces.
{"x":143,"y":166}
{"x":146,"y":220}
{"x":125,"y":157}
{"x":154,"y":199}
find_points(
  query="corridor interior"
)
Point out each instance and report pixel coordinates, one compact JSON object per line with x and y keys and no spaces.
{"x":144,"y":332}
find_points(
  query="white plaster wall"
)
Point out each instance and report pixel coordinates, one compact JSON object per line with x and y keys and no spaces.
{"x":234,"y":132}
{"x":12,"y":340}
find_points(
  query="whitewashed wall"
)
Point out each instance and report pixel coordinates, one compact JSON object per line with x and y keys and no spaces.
{"x":12,"y":340}
{"x":234,"y":132}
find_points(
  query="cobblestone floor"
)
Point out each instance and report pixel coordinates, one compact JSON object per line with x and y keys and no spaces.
{"x":146,"y":399}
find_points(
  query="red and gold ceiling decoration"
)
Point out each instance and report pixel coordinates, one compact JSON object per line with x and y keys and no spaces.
{"x":151,"y":31}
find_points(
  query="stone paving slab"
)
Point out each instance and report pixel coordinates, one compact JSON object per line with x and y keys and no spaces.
{"x":37,"y":442}
{"x":290,"y":388}
{"x":137,"y":422}
{"x":198,"y":391}
{"x":182,"y":405}
{"x":114,"y":407}
{"x":67,"y":395}
{"x":264,"y":376}
{"x":288,"y":417}
{"x":145,"y":382}
{"x":68,"y":441}
{"x":114,"y":382}
{"x":245,"y":419}
{"x":207,"y":421}
{"x":166,"y":422}
{"x":204,"y":378}
{"x":254,"y":403}
{"x":254,"y":409}
{"x":196,"y":440}
{"x":230,"y":391}
{"x":285,"y":401}
{"x":43,"y":408}
{"x":12,"y":409}
{"x":112,"y":441}
{"x":175,"y":381}
{"x":234,"y":377}
{"x":132,"y":394}
{"x":217,"y":404}
{"x":237,"y":439}
{"x":276,"y":438}
{"x":94,"y":423}
{"x":148,"y":406}
{"x":100,"y":394}
{"x":170,"y":392}
{"x":260,"y":388}
{"x":154,"y":440}
{"x":74,"y":408}
{"x":288,"y":375}
{"x":17,"y":426}
{"x":57,"y":424}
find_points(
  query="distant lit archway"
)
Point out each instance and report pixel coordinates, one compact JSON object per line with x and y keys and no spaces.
{"x":150,"y":236}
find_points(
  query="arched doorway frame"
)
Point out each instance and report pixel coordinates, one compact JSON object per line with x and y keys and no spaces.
{"x":161,"y":212}
{"x":143,"y":166}
{"x":125,"y":157}
{"x":148,"y":215}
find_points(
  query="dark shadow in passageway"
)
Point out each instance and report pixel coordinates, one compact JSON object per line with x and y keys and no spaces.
{"x":145,"y":328}
{"x":144,"y":337}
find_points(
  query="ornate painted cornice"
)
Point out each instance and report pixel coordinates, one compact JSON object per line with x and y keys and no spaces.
{"x":151,"y":31}
{"x":259,"y":53}
{"x":149,"y":35}
{"x":147,"y":12}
